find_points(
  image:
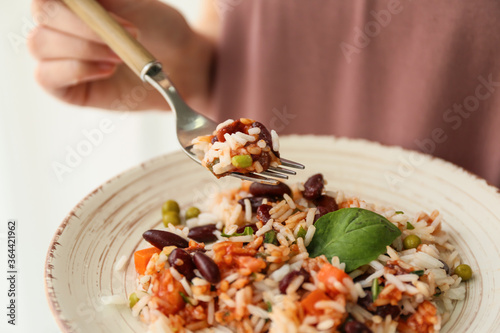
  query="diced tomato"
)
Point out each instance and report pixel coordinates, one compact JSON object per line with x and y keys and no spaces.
{"x":311,"y":299}
{"x":254,"y":265}
{"x":328,"y":271}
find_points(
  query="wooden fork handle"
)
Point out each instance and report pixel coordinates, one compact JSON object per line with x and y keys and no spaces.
{"x":113,"y":34}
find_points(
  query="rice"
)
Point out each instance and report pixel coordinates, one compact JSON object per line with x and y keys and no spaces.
{"x":120,"y":264}
{"x":266,"y":277}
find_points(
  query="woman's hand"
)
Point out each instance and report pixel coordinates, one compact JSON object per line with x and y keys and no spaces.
{"x":76,"y":66}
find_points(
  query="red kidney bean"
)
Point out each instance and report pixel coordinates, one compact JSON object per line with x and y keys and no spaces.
{"x":255,"y":202}
{"x":270,"y":191}
{"x":388,"y":309}
{"x":265,"y":135}
{"x":242,"y":228}
{"x":235,"y":126}
{"x":160,"y":239}
{"x":285,"y":282}
{"x":264,"y":159}
{"x":325,"y":204}
{"x":203,"y":234}
{"x":313,"y":187}
{"x":182,"y":262}
{"x":367,"y":301}
{"x":207,"y":267}
{"x":320,"y":211}
{"x":356,"y":327}
{"x":263,"y":213}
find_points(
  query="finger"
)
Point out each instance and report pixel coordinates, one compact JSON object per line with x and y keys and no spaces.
{"x":45,"y":44}
{"x":57,"y":16}
{"x":54,"y":75}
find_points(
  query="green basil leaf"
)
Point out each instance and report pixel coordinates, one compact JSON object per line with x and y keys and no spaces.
{"x":355,"y":235}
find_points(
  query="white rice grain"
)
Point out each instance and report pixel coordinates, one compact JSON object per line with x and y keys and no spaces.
{"x":276,"y":141}
{"x":259,"y":326}
{"x":136,"y":309}
{"x":256,"y":311}
{"x":391,"y":279}
{"x":120,"y":264}
{"x":113,"y":300}
{"x":254,"y":131}
{"x":186,"y":286}
{"x":280,"y":273}
{"x":294,"y":285}
{"x":309,"y":235}
{"x":211,"y":312}
{"x":243,"y":239}
{"x":248,"y":210}
{"x":310,"y":216}
{"x":325,"y":324}
{"x":289,"y":200}
{"x":224,"y":124}
{"x":329,"y":305}
{"x":175,"y":274}
{"x":199,"y":282}
{"x":233,"y":277}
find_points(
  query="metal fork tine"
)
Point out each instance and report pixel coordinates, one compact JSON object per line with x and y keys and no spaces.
{"x":283,"y":170}
{"x":255,"y":178}
{"x":272,"y":173}
{"x":292,"y":164}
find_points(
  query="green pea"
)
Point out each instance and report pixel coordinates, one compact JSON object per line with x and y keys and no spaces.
{"x":192,"y":212}
{"x":411,"y":242}
{"x":132,"y":300}
{"x":242,"y":161}
{"x":171,"y":218}
{"x":170,"y":206}
{"x":464,"y":271}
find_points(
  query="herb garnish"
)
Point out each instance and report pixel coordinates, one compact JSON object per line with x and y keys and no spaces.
{"x":409,"y":226}
{"x":246,"y":232}
{"x":270,"y":237}
{"x":376,"y":289}
{"x":185,"y":298}
{"x":301,"y":233}
{"x":269,"y":306}
{"x":419,"y":272}
{"x":355,"y":235}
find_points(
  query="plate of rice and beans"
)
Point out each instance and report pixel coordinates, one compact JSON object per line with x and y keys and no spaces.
{"x":356,"y":246}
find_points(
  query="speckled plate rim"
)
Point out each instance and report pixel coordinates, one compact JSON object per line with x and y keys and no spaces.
{"x":48,"y":278}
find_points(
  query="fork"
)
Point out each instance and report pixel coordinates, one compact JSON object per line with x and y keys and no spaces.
{"x":189,"y":123}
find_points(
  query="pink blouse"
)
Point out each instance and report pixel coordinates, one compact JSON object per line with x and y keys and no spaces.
{"x":422,"y":74}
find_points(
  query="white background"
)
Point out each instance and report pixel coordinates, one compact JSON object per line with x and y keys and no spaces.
{"x":37,"y":131}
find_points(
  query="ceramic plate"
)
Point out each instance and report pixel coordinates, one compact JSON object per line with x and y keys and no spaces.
{"x":109,"y":222}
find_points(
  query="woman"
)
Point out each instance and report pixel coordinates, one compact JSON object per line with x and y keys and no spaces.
{"x":422,"y":74}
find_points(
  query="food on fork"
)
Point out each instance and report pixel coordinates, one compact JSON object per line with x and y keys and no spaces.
{"x":242,"y":146}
